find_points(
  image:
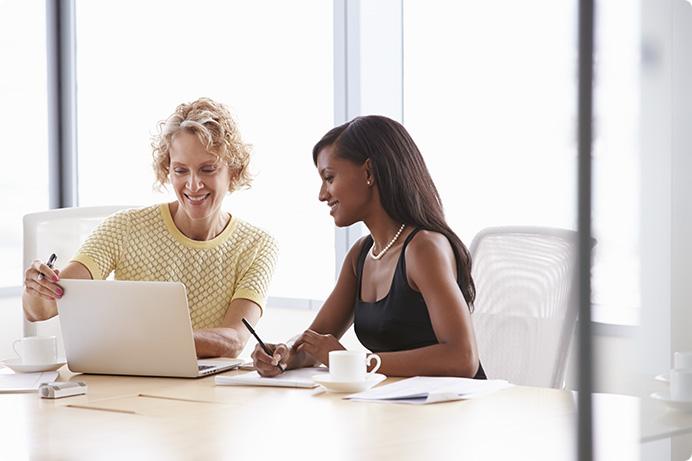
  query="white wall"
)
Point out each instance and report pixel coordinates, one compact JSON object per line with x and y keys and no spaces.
{"x":655,"y":225}
{"x":666,"y":182}
{"x":681,"y":292}
{"x":614,"y":357}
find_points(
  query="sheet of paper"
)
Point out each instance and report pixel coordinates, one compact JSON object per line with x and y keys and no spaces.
{"x":424,"y":389}
{"x":25,"y":382}
{"x":301,"y":377}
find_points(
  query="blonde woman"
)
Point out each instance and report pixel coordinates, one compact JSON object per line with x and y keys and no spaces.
{"x":225,"y":263}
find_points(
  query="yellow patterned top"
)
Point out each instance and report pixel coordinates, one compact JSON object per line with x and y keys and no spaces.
{"x":145,"y":244}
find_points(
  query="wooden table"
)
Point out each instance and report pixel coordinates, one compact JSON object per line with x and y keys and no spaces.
{"x":165,"y":418}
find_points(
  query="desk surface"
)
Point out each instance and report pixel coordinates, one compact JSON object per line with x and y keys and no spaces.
{"x":183,"y":419}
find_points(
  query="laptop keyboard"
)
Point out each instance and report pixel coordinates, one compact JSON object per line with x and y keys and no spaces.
{"x":204,"y":367}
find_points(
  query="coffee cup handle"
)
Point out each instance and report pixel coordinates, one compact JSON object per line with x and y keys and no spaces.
{"x":14,"y":347}
{"x":378,"y":362}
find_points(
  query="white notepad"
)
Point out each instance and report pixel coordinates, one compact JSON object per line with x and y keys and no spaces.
{"x":425,"y":389}
{"x":300,"y":377}
{"x":25,"y":382}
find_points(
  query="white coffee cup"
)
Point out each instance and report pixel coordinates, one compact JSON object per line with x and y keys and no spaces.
{"x":681,"y":385}
{"x":36,"y":350}
{"x":351,"y":366}
{"x":682,"y":360}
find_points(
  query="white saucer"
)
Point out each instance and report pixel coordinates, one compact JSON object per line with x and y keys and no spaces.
{"x":18,"y":367}
{"x":353,"y":386}
{"x":664,"y":396}
{"x":663,"y":377}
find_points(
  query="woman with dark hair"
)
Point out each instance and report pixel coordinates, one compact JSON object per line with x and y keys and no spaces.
{"x":407,"y":286}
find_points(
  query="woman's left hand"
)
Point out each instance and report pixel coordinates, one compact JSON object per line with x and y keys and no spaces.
{"x":318,"y":346}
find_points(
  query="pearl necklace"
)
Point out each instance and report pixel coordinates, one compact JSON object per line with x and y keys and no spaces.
{"x":389,"y":245}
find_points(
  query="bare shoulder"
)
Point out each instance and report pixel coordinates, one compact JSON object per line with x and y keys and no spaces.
{"x":352,"y":256}
{"x":429,"y":246}
{"x":429,"y":260}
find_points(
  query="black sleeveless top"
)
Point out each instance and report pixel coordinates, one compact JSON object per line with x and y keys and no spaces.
{"x":399,"y":321}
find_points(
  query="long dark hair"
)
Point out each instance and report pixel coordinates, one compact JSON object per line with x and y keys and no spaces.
{"x":406,"y":189}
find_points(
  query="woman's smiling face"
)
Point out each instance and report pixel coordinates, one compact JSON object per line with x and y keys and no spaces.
{"x":344,"y":188}
{"x":200,"y":179}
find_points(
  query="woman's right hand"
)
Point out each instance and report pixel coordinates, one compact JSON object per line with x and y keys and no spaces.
{"x":270,"y":365}
{"x":41,"y":280}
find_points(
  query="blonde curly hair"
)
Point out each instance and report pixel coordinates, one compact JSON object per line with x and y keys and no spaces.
{"x":215,"y":128}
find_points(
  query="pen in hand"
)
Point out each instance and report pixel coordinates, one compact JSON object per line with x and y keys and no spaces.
{"x":262,"y":345}
{"x":51,"y":261}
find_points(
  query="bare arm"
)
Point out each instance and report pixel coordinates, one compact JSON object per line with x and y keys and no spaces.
{"x":229,"y":339}
{"x":336,"y":314}
{"x":38,"y":298}
{"x":333,"y":319}
{"x":431,"y":269}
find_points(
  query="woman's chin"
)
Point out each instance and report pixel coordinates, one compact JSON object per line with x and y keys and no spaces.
{"x":194,"y":211}
{"x":340,"y":222}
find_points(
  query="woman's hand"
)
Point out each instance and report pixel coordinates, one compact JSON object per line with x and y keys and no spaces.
{"x":318,"y":346}
{"x":41,"y":280}
{"x":270,"y":365}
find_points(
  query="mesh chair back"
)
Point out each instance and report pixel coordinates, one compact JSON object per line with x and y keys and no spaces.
{"x":525,"y":308}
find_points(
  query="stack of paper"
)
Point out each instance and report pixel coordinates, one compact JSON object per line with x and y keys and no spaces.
{"x":25,"y":382}
{"x":424,"y":389}
{"x":301,"y":377}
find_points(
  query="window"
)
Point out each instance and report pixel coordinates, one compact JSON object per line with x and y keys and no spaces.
{"x":616,"y":167}
{"x":494,"y":112}
{"x":23,"y":123}
{"x":495,"y":118}
{"x":274,"y":71}
{"x":494,"y":122}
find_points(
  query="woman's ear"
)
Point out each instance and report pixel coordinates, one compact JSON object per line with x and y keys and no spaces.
{"x":369,"y":177}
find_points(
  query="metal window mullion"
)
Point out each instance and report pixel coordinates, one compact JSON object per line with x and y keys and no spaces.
{"x":62,"y":110}
{"x":62,"y":104}
{"x":585,"y":120}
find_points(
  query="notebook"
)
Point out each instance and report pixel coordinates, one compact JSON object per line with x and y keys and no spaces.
{"x":25,"y":382}
{"x":300,"y":377}
{"x":426,"y":389}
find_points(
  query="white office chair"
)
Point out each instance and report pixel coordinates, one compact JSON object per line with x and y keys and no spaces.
{"x":525,"y":308}
{"x":60,"y":231}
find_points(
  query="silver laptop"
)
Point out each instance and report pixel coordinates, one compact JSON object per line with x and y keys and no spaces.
{"x":131,"y":328}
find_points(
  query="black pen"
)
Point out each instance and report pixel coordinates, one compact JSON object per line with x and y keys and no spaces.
{"x":262,"y":345}
{"x":51,"y":261}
